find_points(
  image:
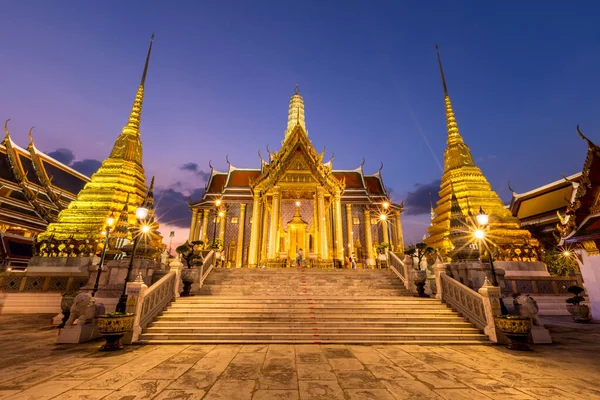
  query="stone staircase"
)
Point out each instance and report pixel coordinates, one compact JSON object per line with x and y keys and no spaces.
{"x":308,"y":306}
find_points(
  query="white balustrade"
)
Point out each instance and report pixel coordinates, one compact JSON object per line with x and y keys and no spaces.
{"x":398,"y":267}
{"x":464,"y":300}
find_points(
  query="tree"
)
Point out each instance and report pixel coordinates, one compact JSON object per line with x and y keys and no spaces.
{"x":419,"y":250}
{"x":558,"y":263}
{"x":189,"y":253}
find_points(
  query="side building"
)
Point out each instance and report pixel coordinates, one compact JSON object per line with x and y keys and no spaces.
{"x":296,"y":201}
{"x":34,"y":188}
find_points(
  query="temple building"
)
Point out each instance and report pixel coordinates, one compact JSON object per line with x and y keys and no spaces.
{"x":296,"y":201}
{"x":463,"y":181}
{"x":115,"y":190}
{"x":34,"y":188}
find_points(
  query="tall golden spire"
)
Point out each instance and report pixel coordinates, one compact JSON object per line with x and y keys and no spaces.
{"x":463,"y":187}
{"x":457,"y":153}
{"x":295,"y":113}
{"x":119,"y":185}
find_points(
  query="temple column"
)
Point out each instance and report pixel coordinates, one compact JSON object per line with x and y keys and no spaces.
{"x":369,"y":238}
{"x":198,"y":226}
{"x":384,"y":228}
{"x":264,"y":233}
{"x":394,"y":238}
{"x":252,"y":251}
{"x":399,"y":234}
{"x":205,"y":226}
{"x":240,"y":240}
{"x":349,"y":228}
{"x":322,"y":231}
{"x":273,"y":228}
{"x":193,"y":225}
{"x":315,"y":222}
{"x":222,"y":227}
{"x":339,"y":236}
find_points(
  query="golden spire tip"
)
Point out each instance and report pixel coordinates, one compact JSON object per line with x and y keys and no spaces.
{"x":437,"y":49}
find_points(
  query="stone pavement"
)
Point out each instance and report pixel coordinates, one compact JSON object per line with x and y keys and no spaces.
{"x":33,"y":367}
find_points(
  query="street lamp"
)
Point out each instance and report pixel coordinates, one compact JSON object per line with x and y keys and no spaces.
{"x":479,"y":233}
{"x":217,"y":215}
{"x":140,"y":213}
{"x":109,"y":223}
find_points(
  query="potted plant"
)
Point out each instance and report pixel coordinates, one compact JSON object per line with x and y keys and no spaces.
{"x":420,"y":251}
{"x":112,"y":326}
{"x":65,"y":306}
{"x":381,"y":256}
{"x":579,"y":312}
{"x":190,"y":253}
{"x":516,"y":328}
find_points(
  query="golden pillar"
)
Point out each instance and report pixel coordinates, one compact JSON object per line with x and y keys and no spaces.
{"x":252,"y":251}
{"x":198,"y":226}
{"x":339,"y":238}
{"x":369,"y":238}
{"x":349,"y":228}
{"x":384,"y":228}
{"x":322,"y":230}
{"x":193,"y":225}
{"x":205,"y":226}
{"x":240,"y":240}
{"x":399,"y":234}
{"x":273,"y":228}
{"x":222,"y":227}
{"x":264,"y":232}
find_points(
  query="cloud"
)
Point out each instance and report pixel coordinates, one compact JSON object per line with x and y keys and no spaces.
{"x":193,"y":167}
{"x":63,"y":155}
{"x":172,"y":206}
{"x":418,"y":201}
{"x":87,"y":166}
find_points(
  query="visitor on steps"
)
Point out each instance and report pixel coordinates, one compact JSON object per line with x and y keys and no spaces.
{"x":353,"y":260}
{"x":299,"y":258}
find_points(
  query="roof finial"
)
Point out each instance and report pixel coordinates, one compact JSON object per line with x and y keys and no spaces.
{"x":437,"y":49}
{"x":30,"y":136}
{"x":297,"y":88}
{"x":6,"y":128}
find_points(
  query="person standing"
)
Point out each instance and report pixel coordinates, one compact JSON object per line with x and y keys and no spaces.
{"x":353,"y":260}
{"x":299,"y":258}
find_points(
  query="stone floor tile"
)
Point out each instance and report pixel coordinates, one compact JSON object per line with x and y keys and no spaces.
{"x":180,"y":394}
{"x":278,"y":373}
{"x":33,"y":378}
{"x":358,"y":380}
{"x":345,"y":364}
{"x":7,"y":393}
{"x":315,"y":372}
{"x":412,"y":364}
{"x":411,"y":348}
{"x":224,"y":351}
{"x":495,"y":389}
{"x":139,"y":389}
{"x":307,"y":358}
{"x":254,"y":348}
{"x":85,"y":373}
{"x":276,"y":395}
{"x":239,"y":372}
{"x":430,"y":358}
{"x":248,"y":358}
{"x":203,"y":374}
{"x":411,"y":390}
{"x":231,"y":390}
{"x":46,"y":390}
{"x":338,"y":352}
{"x":549,"y":393}
{"x":88,"y":394}
{"x":438,"y":379}
{"x":392,"y":352}
{"x":461,"y":394}
{"x":389,"y":372}
{"x":368,"y":394}
{"x":371,"y":357}
{"x":187,"y":357}
{"x":320,"y":390}
{"x":166,"y":370}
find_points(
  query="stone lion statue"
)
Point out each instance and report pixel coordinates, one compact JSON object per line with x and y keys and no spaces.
{"x":84,"y":310}
{"x":526,"y":306}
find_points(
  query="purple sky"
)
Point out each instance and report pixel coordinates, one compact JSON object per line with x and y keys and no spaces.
{"x":520,"y":77}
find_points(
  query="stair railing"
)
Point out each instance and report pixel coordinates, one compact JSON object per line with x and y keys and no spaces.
{"x":207,"y":265}
{"x":478,"y":307}
{"x":398,"y":267}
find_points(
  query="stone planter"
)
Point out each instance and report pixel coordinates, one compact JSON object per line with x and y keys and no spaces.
{"x":65,"y":306}
{"x":579,"y":312}
{"x":420,"y":280}
{"x":516,"y":329}
{"x":188,"y":276}
{"x":112,"y":328}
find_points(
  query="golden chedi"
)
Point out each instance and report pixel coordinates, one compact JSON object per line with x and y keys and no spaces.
{"x":464,"y":181}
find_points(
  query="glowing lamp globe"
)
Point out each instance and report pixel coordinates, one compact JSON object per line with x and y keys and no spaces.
{"x":482,"y":217}
{"x":141,"y":213}
{"x":110,"y":221}
{"x":479,"y":234}
{"x":145,"y":229}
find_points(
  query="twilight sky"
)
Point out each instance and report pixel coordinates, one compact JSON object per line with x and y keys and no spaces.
{"x":520,"y":75}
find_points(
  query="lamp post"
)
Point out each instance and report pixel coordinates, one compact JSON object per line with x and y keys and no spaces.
{"x":140,"y":213}
{"x":217,"y":215}
{"x":482,"y":222}
{"x":109,"y":223}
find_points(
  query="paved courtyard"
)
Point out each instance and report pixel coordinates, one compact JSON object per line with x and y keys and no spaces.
{"x":33,"y":367}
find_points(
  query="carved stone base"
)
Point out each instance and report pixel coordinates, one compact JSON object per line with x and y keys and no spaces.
{"x":78,"y":334}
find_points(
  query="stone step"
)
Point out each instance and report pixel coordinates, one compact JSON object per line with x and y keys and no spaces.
{"x":307,"y":319}
{"x":252,"y":299}
{"x":312,"y":329}
{"x":303,"y":305}
{"x":350,"y":337}
{"x":346,"y":324}
{"x":317,"y":341}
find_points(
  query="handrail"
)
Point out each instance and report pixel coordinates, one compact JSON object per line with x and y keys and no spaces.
{"x":157,"y":297}
{"x":208,"y":264}
{"x":465,"y":300}
{"x":397,"y":266}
